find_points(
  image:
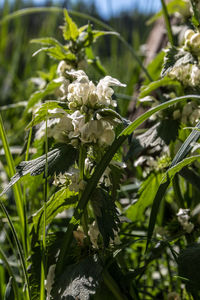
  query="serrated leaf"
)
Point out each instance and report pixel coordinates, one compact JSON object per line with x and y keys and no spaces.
{"x":166,"y":81}
{"x":106,"y":215}
{"x":59,"y":161}
{"x":60,"y":201}
{"x":116,"y":175}
{"x":37,"y":96}
{"x":43,"y":113}
{"x":70,"y":30}
{"x":79,"y":281}
{"x":176,"y":58}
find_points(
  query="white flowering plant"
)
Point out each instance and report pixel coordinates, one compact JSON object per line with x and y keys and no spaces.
{"x":97,"y":181}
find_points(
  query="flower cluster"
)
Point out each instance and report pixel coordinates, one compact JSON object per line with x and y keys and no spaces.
{"x":82,"y":124}
{"x":187,"y":73}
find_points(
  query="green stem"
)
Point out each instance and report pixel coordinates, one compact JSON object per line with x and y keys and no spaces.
{"x":43,"y":262}
{"x":167,"y":22}
{"x":26,"y":231}
{"x":16,"y":188}
{"x":177,"y":192}
{"x":10,"y":272}
{"x":19,"y":248}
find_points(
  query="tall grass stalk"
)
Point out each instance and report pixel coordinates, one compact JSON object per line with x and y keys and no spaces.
{"x":10,"y":272}
{"x":167,"y":22}
{"x":43,"y":262}
{"x":16,"y":189}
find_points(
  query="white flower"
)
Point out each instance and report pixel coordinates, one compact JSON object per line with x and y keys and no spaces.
{"x":188,"y":34}
{"x":183,"y":218}
{"x":195,"y":75}
{"x":62,"y":67}
{"x":82,"y":91}
{"x":105,"y":92}
{"x":97,"y":131}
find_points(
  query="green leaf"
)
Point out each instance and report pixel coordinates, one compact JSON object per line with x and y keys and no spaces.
{"x":49,"y":41}
{"x":57,"y":52}
{"x":155,"y":66}
{"x":176,"y":58}
{"x":60,"y":201}
{"x":110,"y":114}
{"x":166,"y":81}
{"x":70,"y":30}
{"x":147,"y":193}
{"x":43,"y":113}
{"x":37,"y":96}
{"x":106,"y":215}
{"x":79,"y":281}
{"x":59,"y":160}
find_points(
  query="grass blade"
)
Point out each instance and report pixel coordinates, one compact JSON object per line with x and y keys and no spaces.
{"x":11,"y":166}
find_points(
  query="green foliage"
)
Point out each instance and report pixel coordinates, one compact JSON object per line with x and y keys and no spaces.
{"x":164,"y":82}
{"x":37,"y":166}
{"x":92,"y":182}
{"x":59,"y":202}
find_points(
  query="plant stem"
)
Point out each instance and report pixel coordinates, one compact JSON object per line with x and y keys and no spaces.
{"x":177,"y":192}
{"x":167,"y":22}
{"x":27,"y":236}
{"x":10,"y":272}
{"x":19,"y":248}
{"x":43,"y":262}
